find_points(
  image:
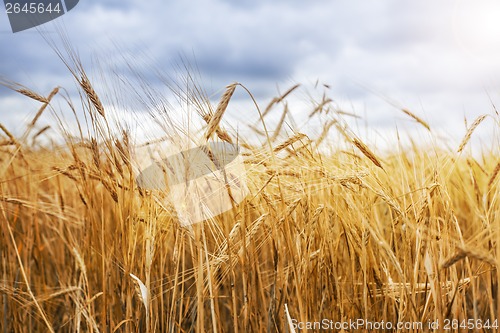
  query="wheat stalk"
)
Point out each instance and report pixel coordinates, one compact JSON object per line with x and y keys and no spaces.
{"x":9,"y":134}
{"x":213,"y":123}
{"x":367,"y":152}
{"x":40,"y":132}
{"x":44,"y":106}
{"x":280,"y":123}
{"x":289,"y":320}
{"x":92,"y":95}
{"x":320,"y":106}
{"x":461,"y":253}
{"x":33,"y":95}
{"x":279,"y":99}
{"x":286,"y":93}
{"x":471,"y":130}
{"x":324,"y":132}
{"x":290,"y":141}
{"x":142,"y":291}
{"x":417,"y":119}
{"x":494,"y":175}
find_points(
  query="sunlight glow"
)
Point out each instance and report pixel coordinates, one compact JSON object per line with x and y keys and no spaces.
{"x":477,"y":27}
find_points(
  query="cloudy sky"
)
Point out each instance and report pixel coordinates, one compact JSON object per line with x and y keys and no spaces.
{"x":438,"y":59}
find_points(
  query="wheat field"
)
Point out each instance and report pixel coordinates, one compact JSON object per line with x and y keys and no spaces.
{"x":331,"y":231}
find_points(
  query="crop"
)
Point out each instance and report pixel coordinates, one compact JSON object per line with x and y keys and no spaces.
{"x":332,"y":228}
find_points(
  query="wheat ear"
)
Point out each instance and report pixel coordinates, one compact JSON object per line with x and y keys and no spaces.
{"x":471,"y":130}
{"x":213,"y":123}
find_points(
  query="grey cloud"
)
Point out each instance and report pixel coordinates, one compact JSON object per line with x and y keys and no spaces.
{"x":400,"y":49}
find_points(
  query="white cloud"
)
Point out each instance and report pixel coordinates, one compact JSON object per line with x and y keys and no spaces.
{"x":438,"y":59}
